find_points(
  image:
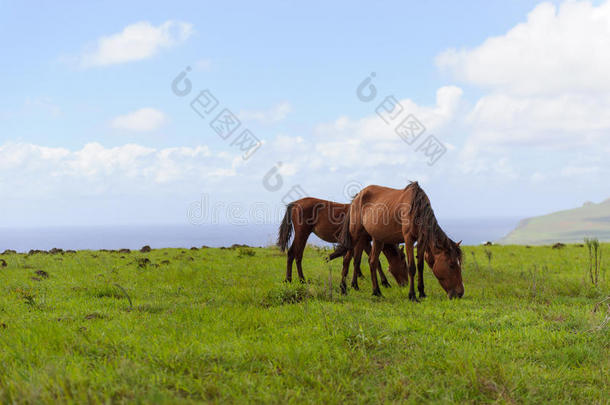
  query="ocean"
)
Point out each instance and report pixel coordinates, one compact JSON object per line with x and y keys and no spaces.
{"x":470,"y":231}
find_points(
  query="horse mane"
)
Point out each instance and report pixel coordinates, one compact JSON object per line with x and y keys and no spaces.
{"x":429,"y":232}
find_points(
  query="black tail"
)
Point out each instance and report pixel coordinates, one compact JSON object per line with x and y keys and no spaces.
{"x":344,"y":240}
{"x":285,"y":231}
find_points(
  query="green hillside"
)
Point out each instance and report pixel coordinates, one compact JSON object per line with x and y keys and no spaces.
{"x":592,"y":220}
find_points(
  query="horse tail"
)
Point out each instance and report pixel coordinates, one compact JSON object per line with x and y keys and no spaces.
{"x":344,"y":240}
{"x":285,"y":231}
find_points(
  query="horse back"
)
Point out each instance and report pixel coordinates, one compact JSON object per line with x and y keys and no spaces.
{"x":383,"y":212}
{"x":322,"y":217}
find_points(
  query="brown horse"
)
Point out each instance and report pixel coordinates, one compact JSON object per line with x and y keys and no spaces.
{"x":392,"y":216}
{"x":325,"y":219}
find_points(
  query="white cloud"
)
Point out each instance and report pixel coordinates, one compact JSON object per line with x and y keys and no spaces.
{"x":274,"y":114}
{"x":547,"y":90}
{"x":27,"y":157}
{"x":142,"y":120}
{"x":554,"y":51}
{"x":567,"y":112}
{"x":370,"y":142}
{"x":563,"y":121}
{"x":94,"y":169}
{"x":138,"y":41}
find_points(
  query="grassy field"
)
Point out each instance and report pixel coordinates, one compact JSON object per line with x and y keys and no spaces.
{"x":218,"y":325}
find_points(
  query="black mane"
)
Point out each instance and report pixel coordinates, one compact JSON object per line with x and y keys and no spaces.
{"x":429,"y":232}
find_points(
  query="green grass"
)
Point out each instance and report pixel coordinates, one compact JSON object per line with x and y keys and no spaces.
{"x":218,"y":325}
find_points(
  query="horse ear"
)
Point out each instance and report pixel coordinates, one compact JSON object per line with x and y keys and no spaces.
{"x":459,"y":243}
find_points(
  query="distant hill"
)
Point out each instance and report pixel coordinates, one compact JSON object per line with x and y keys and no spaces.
{"x":592,"y":220}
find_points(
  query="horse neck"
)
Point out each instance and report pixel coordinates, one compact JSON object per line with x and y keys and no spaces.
{"x":433,"y":247}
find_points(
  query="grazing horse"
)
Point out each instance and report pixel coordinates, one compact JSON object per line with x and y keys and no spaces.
{"x":325,"y":220}
{"x":391,"y":216}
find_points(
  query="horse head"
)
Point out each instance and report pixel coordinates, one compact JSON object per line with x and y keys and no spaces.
{"x":446,"y":265}
{"x":397,"y":264}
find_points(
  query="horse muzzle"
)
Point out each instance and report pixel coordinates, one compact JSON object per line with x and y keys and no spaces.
{"x":456,"y":293}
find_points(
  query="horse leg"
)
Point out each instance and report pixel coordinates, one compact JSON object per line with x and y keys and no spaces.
{"x":363,"y":246}
{"x":289,"y":260}
{"x":357,"y":259}
{"x":300,"y":241}
{"x":411,"y":265}
{"x":346,"y":259}
{"x":420,"y":273}
{"x":384,"y":280}
{"x":373,"y":262}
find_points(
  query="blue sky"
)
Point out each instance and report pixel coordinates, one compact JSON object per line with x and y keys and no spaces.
{"x":91,"y":133}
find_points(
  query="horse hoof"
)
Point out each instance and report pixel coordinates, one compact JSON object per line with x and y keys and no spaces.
{"x":413,"y":298}
{"x":377,"y":293}
{"x":287,"y":280}
{"x":355,"y":287}
{"x":303,"y":281}
{"x":422,"y":295}
{"x":343,"y":289}
{"x":386,"y":284}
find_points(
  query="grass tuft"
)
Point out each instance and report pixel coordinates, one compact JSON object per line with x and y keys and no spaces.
{"x":287,"y":294}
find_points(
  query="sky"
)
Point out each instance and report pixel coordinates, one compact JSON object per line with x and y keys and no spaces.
{"x":116,"y":112}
